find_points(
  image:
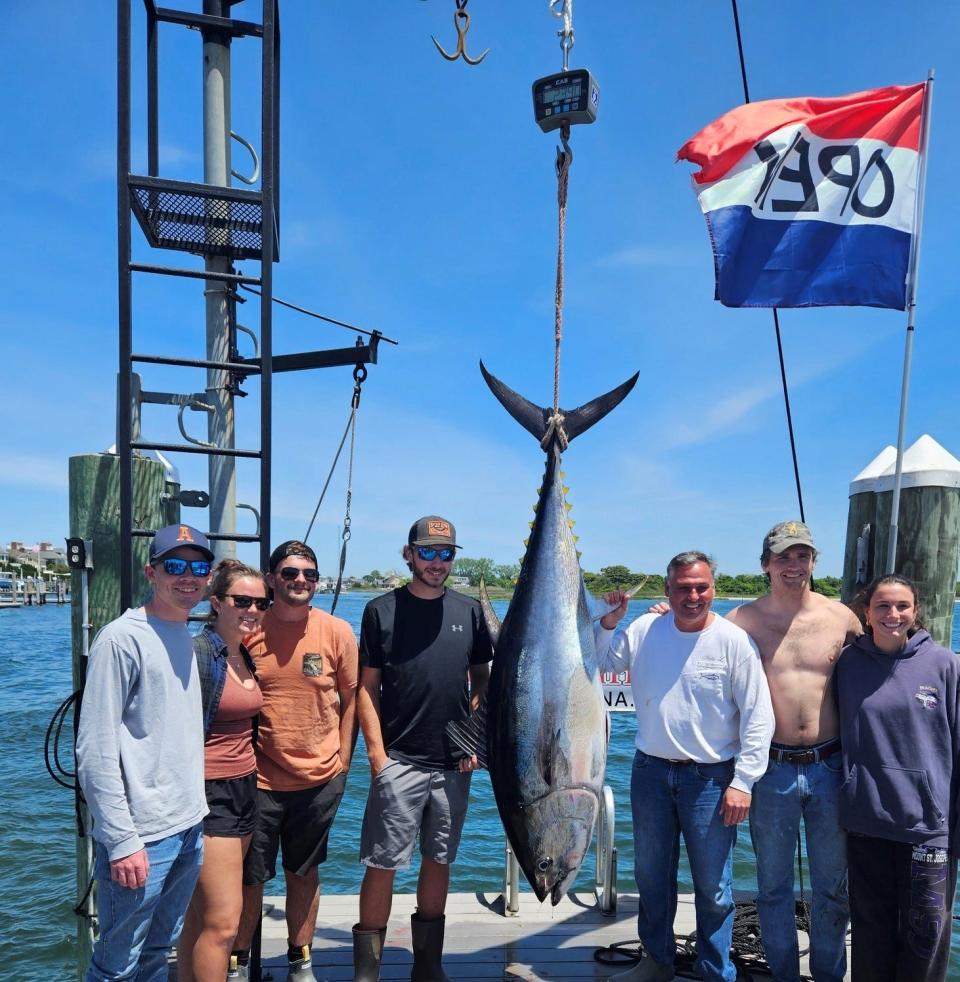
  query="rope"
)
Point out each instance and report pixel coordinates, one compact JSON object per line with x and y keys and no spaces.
{"x":564,"y":159}
{"x":776,"y":317}
{"x":555,"y":431}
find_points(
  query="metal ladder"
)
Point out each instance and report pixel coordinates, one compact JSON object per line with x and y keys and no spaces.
{"x":223,"y":225}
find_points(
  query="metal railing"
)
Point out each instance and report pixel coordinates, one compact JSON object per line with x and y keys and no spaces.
{"x":605,"y":884}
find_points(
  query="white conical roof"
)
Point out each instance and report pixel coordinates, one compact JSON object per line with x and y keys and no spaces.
{"x":866,"y":480}
{"x":925,"y":465}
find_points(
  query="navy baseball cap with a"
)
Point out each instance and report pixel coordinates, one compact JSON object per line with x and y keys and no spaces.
{"x":174,"y":536}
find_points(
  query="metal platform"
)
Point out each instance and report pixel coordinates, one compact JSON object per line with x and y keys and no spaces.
{"x":198,"y":218}
{"x":540,"y":943}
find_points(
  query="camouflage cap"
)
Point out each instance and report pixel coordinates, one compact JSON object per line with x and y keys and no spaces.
{"x":786,"y":534}
{"x":432,"y":531}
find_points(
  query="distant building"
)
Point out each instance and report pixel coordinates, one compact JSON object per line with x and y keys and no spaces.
{"x":42,"y":554}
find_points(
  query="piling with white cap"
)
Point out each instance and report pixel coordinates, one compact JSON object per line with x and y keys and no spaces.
{"x":928,"y":522}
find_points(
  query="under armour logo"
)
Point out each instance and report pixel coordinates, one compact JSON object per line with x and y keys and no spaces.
{"x":456,"y":627}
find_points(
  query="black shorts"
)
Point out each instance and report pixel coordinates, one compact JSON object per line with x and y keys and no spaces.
{"x":298,"y":822}
{"x":233,"y":806}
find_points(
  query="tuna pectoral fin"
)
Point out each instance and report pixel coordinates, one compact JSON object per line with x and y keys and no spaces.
{"x":489,"y":615}
{"x":535,"y":419}
{"x":470,"y":734}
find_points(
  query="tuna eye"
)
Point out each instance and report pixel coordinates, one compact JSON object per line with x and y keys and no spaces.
{"x":544,"y":864}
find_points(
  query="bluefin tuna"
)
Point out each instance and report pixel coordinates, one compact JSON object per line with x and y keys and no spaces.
{"x":546,"y":718}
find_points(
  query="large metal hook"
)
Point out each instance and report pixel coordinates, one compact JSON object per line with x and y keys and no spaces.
{"x":461,"y":21}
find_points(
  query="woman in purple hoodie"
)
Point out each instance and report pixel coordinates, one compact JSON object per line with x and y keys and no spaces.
{"x":899,"y":698}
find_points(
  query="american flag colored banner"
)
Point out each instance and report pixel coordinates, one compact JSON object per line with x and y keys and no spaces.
{"x":811,"y":202}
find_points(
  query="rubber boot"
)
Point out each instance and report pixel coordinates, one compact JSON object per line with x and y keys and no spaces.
{"x":302,"y":969}
{"x":367,"y":952}
{"x":427,"y":949}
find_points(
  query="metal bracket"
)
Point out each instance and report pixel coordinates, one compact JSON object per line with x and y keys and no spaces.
{"x":605,"y":886}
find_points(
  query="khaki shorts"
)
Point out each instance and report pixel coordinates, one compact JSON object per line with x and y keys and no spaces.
{"x":406,"y":800}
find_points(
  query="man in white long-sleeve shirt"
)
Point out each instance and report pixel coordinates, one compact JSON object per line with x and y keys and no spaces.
{"x":704,"y":725}
{"x":140,"y":764}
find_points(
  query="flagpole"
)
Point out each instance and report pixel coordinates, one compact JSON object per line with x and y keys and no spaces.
{"x":911,"y":317}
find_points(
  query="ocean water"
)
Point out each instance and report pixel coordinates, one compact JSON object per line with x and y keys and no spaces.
{"x":37,"y":926}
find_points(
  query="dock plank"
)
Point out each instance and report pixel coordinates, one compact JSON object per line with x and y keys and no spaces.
{"x":540,"y":944}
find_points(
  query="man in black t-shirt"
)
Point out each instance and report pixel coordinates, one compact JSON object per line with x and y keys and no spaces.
{"x":418,"y":645}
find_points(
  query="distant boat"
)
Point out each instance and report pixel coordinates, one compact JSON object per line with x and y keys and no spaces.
{"x":8,"y":591}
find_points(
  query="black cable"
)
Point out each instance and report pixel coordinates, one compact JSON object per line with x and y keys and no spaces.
{"x":51,"y":745}
{"x":786,"y":403}
{"x":776,"y":318}
{"x":320,"y":317}
{"x":78,"y":910}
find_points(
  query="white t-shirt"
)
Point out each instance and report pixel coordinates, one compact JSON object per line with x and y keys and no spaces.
{"x":699,"y":695}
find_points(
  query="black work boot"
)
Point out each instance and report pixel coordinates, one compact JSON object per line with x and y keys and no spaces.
{"x":367,"y":952}
{"x":427,"y":949}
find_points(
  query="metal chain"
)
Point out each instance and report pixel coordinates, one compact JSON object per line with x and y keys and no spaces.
{"x":359,"y":377}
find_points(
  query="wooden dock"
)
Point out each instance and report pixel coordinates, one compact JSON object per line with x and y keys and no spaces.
{"x":540,"y":943}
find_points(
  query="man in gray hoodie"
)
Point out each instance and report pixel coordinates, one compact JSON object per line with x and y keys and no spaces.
{"x":140,"y":764}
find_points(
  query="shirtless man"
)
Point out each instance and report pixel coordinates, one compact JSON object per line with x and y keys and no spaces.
{"x":799,"y":634}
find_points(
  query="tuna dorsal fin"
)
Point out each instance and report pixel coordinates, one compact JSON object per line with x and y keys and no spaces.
{"x":489,"y":615}
{"x":534,"y":418}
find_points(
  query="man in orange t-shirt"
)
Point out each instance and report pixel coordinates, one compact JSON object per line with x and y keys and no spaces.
{"x":306,"y":664}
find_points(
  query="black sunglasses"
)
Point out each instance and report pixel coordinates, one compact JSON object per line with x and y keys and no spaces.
{"x":243,"y":602}
{"x":178,"y":567}
{"x":428,"y":553}
{"x":291,"y":573}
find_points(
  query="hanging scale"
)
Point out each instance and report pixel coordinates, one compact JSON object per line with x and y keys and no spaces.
{"x":571,"y":96}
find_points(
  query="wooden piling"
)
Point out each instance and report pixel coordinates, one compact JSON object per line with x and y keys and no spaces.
{"x":928,"y":530}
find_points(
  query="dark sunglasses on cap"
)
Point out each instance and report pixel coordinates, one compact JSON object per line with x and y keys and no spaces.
{"x":242,"y":602}
{"x":291,"y":573}
{"x":178,"y":567}
{"x":429,"y":553}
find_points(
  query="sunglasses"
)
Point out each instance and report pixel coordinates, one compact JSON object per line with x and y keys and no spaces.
{"x":178,"y":567}
{"x":291,"y":573}
{"x":428,"y":553}
{"x":243,"y":602}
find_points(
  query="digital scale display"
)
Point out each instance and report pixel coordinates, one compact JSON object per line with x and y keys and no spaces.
{"x":570,"y":97}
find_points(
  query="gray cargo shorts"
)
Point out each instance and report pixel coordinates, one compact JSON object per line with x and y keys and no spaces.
{"x":405,"y":800}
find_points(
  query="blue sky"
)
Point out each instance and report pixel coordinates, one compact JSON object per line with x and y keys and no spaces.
{"x":418,"y":197}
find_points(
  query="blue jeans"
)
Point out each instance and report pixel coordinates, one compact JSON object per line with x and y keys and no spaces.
{"x":139,"y":927}
{"x":667,"y":799}
{"x":781,"y":797}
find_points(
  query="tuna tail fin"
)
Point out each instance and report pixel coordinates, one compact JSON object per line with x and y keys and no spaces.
{"x":536,"y":419}
{"x":490,"y":615}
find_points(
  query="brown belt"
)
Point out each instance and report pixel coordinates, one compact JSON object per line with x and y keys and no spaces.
{"x":811,"y":756}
